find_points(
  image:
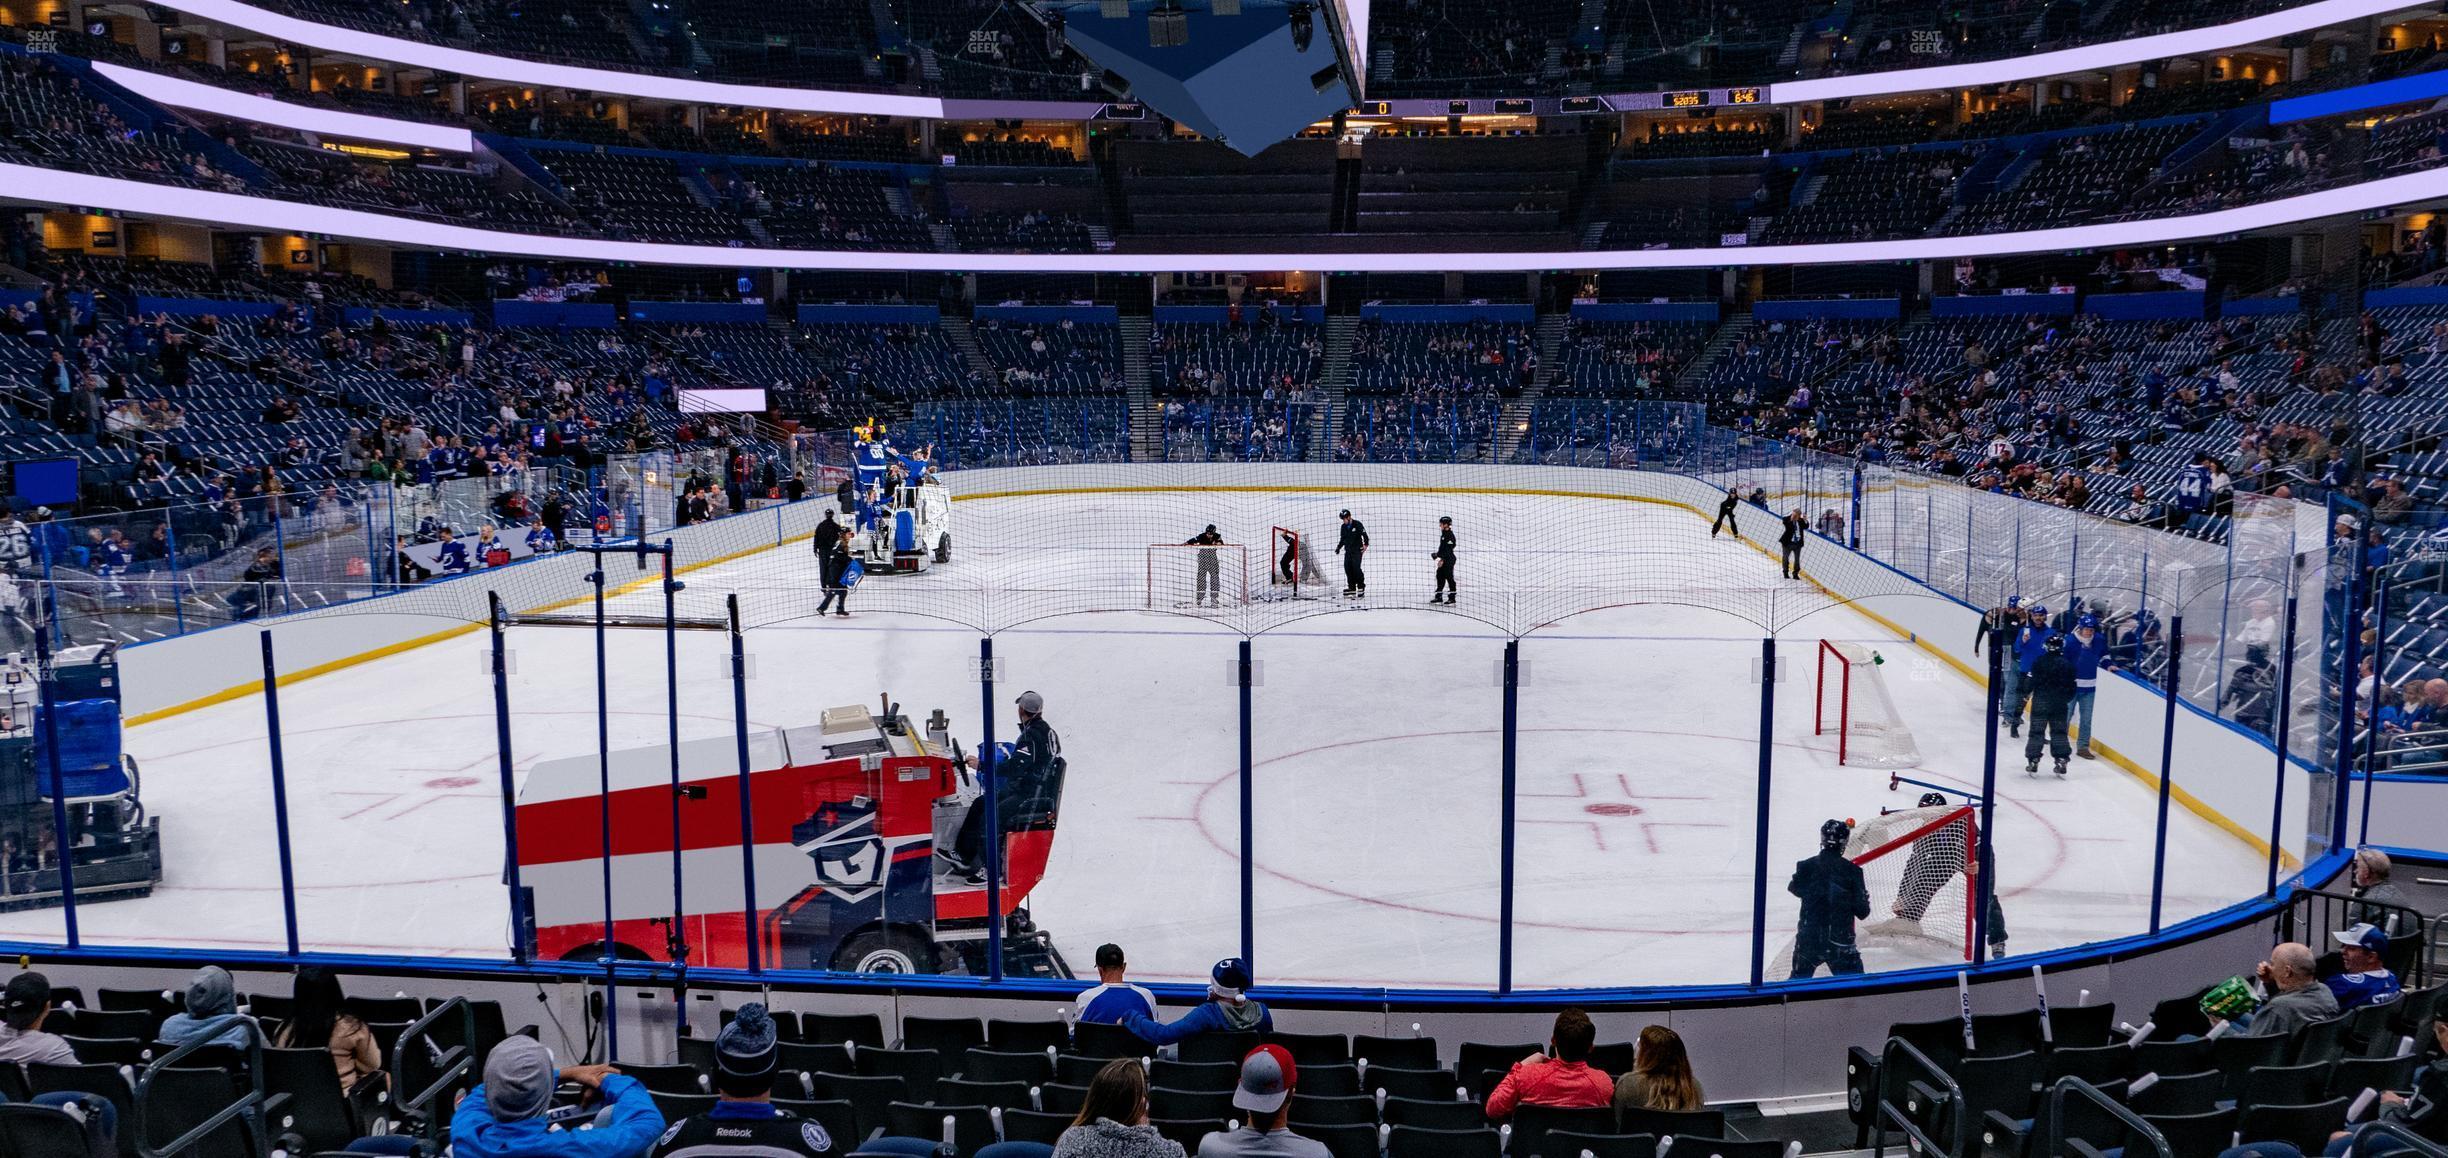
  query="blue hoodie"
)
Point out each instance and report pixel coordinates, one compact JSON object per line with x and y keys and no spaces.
{"x":2029,"y":643}
{"x":1213,"y":1016}
{"x":2086,"y":657}
{"x":625,"y":1128}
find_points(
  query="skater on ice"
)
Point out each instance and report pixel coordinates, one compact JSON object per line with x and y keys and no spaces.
{"x":1351,"y":543}
{"x":1444,"y":556}
{"x":1834,"y":896}
{"x":1725,"y":514}
{"x":2051,"y":687}
{"x":1789,"y":543}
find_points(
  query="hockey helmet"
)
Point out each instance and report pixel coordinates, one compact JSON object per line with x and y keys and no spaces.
{"x":1932,"y":799}
{"x":2087,"y":621}
{"x":2054,"y":644}
{"x":2039,"y":609}
{"x":1834,"y":834}
{"x":2014,"y":601}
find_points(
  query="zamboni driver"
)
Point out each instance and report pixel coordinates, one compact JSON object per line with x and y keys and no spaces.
{"x":1027,"y":778}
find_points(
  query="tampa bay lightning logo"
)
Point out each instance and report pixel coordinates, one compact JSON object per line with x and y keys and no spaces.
{"x":815,"y":1137}
{"x":841,"y":839}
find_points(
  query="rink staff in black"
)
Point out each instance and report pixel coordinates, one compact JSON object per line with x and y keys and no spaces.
{"x":1444,"y":556}
{"x":1833,"y":897}
{"x":1789,"y":543}
{"x":1209,"y":581}
{"x":1026,"y":785}
{"x":1287,"y":567}
{"x":744,"y":1122}
{"x":1725,"y":515}
{"x":1350,"y":544}
{"x":2052,"y":698}
{"x":832,"y":563}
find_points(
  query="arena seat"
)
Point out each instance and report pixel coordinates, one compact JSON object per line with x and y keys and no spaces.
{"x":1181,"y":1075}
{"x":1426,"y":1085}
{"x":1418,"y":1053}
{"x":1464,"y":1142}
{"x":986,"y":1065}
{"x":1025,"y":1036}
{"x":1000,"y":1095}
{"x":947,"y":1036}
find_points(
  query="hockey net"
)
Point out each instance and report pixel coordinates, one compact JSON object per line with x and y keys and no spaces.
{"x":1855,"y":705}
{"x":1188,"y":577}
{"x":1292,"y":571}
{"x":1920,"y":866}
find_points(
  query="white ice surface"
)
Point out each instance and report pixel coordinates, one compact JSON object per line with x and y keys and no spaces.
{"x":1377,"y":773}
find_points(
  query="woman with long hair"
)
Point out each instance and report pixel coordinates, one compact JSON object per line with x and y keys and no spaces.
{"x":1113,"y":1119}
{"x":1661,"y":1077}
{"x":316,"y":1019}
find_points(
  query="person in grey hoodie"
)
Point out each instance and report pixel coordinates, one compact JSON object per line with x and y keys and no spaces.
{"x":1228,"y":1009}
{"x":1113,"y":1121}
{"x":211,"y":995}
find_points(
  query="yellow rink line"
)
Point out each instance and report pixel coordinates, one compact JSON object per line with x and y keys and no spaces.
{"x":241,"y":691}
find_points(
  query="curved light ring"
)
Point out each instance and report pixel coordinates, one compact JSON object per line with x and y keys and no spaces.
{"x":263,"y":110}
{"x":2429,"y":186}
{"x":417,"y":53}
{"x":2088,"y":57}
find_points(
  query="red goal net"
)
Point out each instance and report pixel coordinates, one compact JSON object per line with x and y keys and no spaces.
{"x":1921,"y":866}
{"x":1854,"y":704}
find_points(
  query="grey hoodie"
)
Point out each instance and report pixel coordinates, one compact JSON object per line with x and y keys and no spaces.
{"x":210,"y":994}
{"x":1106,"y":1138}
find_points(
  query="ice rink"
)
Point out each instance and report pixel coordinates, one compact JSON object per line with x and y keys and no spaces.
{"x":1377,"y":761}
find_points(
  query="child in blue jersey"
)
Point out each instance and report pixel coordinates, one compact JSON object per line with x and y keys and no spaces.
{"x":2365,"y":979}
{"x":2089,"y":651}
{"x":1114,"y":999}
{"x":539,"y":540}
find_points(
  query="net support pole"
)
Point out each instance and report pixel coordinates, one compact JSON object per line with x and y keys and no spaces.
{"x":1504,"y":902}
{"x":280,"y":794}
{"x":2286,"y":691}
{"x":1759,"y":842}
{"x":2350,"y":677}
{"x":46,"y":695}
{"x":2379,"y":658}
{"x":1249,"y":877}
{"x":178,"y":602}
{"x":1983,"y":852}
{"x":676,"y":939}
{"x":986,"y":800}
{"x":747,"y":811}
{"x":2167,"y":769}
{"x":500,"y":663}
{"x":603,"y":808}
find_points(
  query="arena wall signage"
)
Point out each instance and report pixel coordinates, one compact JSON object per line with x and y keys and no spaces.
{"x":117,"y":195}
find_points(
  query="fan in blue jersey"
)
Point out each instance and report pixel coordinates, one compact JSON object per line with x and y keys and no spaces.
{"x":2193,"y":486}
{"x":539,"y":540}
{"x":451,"y":554}
{"x":2364,"y":978}
{"x":1114,"y":998}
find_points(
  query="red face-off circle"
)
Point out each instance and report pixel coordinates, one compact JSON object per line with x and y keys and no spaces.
{"x":453,"y":782}
{"x":1611,"y":809}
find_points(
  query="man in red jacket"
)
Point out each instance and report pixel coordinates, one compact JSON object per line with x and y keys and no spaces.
{"x":1564,"y":1080}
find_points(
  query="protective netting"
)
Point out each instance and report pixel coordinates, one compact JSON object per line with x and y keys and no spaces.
{"x":1182,"y":576}
{"x":1855,"y":706}
{"x":1919,"y":866}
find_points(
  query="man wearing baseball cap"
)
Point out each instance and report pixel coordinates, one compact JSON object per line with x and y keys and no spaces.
{"x":1228,"y":1009}
{"x":1264,"y":1097}
{"x":2365,"y":979}
{"x":23,"y":1006}
{"x":1027,"y":787}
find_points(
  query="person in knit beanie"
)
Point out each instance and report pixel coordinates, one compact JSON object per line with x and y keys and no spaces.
{"x":744,"y":1122}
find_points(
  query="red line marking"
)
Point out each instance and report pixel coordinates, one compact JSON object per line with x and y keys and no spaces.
{"x":1580,"y":791}
{"x":1591,"y":825}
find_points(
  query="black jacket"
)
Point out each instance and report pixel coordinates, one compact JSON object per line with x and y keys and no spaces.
{"x":1445,"y":546}
{"x":1998,"y":623}
{"x":1793,"y":534}
{"x":1030,"y":782}
{"x":706,"y":1136}
{"x":2052,"y":682}
{"x":1353,"y":536}
{"x":1833,"y":896}
{"x":1726,"y":505}
{"x":828,"y":533}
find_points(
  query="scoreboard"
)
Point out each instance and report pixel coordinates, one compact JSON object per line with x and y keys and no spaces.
{"x":1695,"y":98}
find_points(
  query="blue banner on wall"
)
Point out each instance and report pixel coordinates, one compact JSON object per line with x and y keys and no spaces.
{"x":1218,"y":315}
{"x":1480,"y":312}
{"x":702,"y":313}
{"x":2150,"y":306}
{"x":870,"y":315}
{"x":1645,"y":311}
{"x":1872,"y":308}
{"x":184,"y":307}
{"x":2290,"y":304}
{"x":578,"y":315}
{"x":1048,"y":313}
{"x":2002,"y":305}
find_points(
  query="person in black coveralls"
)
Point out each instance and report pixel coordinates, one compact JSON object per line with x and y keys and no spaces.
{"x":1350,"y":544}
{"x":1833,"y":897}
{"x":1444,"y":556}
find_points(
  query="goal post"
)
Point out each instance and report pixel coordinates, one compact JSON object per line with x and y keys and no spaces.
{"x":1291,"y":564}
{"x":1853,"y":702}
{"x":1922,"y":867}
{"x":1193,"y":575}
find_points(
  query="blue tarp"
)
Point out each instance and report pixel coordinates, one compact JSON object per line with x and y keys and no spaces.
{"x":1049,"y":313}
{"x":1828,"y":308}
{"x":2001,"y":305}
{"x":750,"y":313}
{"x":1484,"y":312}
{"x":580,"y":315}
{"x":2156,"y":304}
{"x":871,"y":315}
{"x":1645,"y":311}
